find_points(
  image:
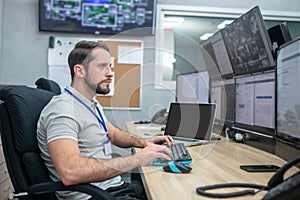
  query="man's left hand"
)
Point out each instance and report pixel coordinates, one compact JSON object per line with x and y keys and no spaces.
{"x":161,"y":139}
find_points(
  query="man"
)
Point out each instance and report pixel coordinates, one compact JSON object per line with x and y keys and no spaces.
{"x":75,"y":137}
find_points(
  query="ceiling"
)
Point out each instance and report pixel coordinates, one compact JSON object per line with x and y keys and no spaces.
{"x":197,"y":26}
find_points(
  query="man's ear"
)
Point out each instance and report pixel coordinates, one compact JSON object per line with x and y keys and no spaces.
{"x":79,"y":70}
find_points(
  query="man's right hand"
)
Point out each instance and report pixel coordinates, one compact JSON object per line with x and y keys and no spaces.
{"x":152,"y":151}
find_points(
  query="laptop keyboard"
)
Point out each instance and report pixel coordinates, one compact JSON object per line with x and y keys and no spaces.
{"x":179,"y":154}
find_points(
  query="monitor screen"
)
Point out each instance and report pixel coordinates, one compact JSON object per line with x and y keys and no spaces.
{"x":217,"y":97}
{"x":255,"y":103}
{"x":264,"y":101}
{"x":244,"y":110}
{"x":192,"y":87}
{"x":288,"y":81}
{"x":97,"y":16}
{"x":215,"y":47}
{"x":248,"y":44}
{"x":223,"y":95}
{"x":192,"y":121}
{"x":210,"y":60}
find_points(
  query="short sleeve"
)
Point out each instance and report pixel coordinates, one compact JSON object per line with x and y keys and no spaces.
{"x":60,"y":121}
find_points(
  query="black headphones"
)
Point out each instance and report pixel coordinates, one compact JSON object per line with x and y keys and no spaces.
{"x":202,"y":190}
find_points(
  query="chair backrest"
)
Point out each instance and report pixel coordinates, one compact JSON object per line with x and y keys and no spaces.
{"x":19,"y":114}
{"x":49,"y":85}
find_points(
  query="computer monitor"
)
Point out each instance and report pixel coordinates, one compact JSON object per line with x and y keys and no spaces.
{"x":229,"y":96}
{"x":288,"y":104}
{"x":222,"y":93}
{"x":192,"y":87}
{"x":210,"y":60}
{"x":248,"y":44}
{"x":217,"y":97}
{"x":279,"y":35}
{"x":255,"y":103}
{"x":244,"y":110}
{"x":215,"y":47}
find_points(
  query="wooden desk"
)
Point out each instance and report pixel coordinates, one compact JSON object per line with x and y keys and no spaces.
{"x":214,"y":163}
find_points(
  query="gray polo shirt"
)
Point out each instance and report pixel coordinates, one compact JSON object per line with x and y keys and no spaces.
{"x":66,"y":118}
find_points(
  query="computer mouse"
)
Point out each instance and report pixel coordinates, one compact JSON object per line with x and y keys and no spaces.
{"x":176,"y":167}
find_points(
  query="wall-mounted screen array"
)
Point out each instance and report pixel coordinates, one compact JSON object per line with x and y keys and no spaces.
{"x":255,"y":103}
{"x":288,"y":96}
{"x":192,"y":87}
{"x":97,"y":16}
{"x":248,"y":44}
{"x":250,"y":93}
{"x":242,"y":47}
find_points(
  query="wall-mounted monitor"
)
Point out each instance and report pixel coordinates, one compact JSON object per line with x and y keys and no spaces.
{"x":248,"y":44}
{"x":215,"y":48}
{"x":98,"y":16}
{"x":288,"y":96}
{"x":255,"y":103}
{"x":192,"y":87}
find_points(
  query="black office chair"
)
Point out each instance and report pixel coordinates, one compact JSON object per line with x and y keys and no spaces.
{"x":19,"y":114}
{"x":47,"y":84}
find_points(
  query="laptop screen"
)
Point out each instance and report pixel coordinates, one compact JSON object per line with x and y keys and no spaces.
{"x":189,"y":120}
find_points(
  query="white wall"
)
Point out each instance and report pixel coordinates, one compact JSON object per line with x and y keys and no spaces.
{"x":23,"y":52}
{"x":278,"y":5}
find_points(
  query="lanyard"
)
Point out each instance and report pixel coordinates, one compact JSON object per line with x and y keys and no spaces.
{"x":100,"y":120}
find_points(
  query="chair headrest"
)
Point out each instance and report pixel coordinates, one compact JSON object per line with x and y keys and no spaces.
{"x":49,"y":85}
{"x":24,"y":105}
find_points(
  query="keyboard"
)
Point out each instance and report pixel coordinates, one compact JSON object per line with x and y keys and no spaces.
{"x":179,"y":154}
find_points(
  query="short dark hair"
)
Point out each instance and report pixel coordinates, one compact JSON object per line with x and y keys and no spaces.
{"x":81,"y":54}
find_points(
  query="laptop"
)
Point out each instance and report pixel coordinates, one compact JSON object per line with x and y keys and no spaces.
{"x":190,"y":123}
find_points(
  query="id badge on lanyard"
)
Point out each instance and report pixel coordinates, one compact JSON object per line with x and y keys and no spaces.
{"x":107,"y":143}
{"x":107,"y":148}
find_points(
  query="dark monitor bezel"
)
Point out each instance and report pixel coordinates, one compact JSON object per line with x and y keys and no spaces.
{"x":258,"y":129}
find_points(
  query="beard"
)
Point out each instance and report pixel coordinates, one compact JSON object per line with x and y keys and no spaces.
{"x":102,"y":90}
{"x":97,"y":87}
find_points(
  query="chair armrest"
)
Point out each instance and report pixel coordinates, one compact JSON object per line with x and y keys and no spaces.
{"x":50,"y":187}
